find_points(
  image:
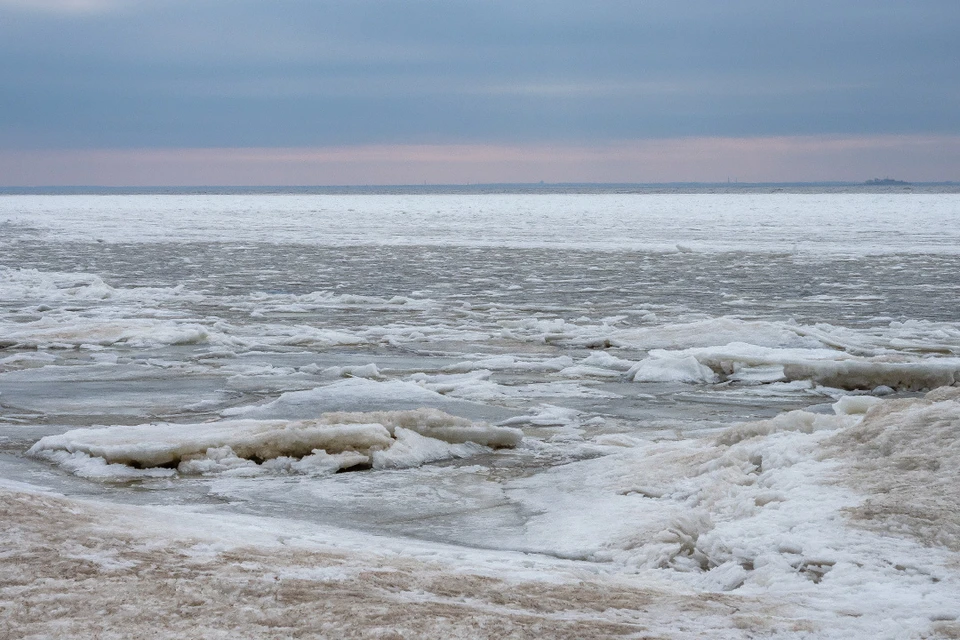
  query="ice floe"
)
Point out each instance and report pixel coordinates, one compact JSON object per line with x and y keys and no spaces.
{"x":331,"y":442}
{"x":749,"y":362}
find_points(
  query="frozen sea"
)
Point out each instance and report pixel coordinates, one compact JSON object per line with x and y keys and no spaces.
{"x":552,"y":414}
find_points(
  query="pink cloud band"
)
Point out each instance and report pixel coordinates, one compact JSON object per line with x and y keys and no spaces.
{"x":759,"y":159}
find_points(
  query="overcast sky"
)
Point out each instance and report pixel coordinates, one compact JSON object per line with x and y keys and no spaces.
{"x":372,"y":91}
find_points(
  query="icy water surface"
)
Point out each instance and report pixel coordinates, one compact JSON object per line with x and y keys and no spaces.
{"x":562,"y":341}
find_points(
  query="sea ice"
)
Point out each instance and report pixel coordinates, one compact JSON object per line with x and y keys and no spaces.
{"x":339,"y":440}
{"x":828,"y":367}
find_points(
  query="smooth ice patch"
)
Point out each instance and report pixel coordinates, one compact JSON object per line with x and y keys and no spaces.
{"x":360,"y":394}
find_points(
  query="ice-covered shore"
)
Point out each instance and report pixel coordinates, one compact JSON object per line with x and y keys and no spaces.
{"x":74,"y":568}
{"x":724,"y":433}
{"x":804,"y":525}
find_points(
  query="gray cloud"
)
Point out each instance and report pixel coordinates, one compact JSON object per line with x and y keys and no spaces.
{"x":90,"y":73}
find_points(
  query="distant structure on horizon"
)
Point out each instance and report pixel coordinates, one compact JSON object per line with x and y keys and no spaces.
{"x":884,"y":182}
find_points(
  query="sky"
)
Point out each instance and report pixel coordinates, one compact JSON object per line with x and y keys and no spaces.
{"x":311,"y":92}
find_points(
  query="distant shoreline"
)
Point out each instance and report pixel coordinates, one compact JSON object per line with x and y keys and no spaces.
{"x":504,"y":188}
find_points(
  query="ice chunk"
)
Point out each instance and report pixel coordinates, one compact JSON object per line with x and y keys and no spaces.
{"x":584,"y":371}
{"x":307,"y":335}
{"x":164,"y":444}
{"x":135,"y":332}
{"x":412,"y":450}
{"x":355,"y":394}
{"x":758,"y":375}
{"x":54,"y":287}
{"x":475,"y":385}
{"x":828,"y":367}
{"x":869,"y":374}
{"x":662,"y":367}
{"x":799,"y":421}
{"x":606,"y":361}
{"x":333,"y":441}
{"x":851,"y":405}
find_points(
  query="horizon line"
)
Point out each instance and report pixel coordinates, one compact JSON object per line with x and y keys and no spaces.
{"x":478,"y":185}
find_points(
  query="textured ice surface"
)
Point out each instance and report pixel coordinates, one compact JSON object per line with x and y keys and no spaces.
{"x":826,"y":508}
{"x":905,"y":457}
{"x":805,"y":525}
{"x":727,"y":441}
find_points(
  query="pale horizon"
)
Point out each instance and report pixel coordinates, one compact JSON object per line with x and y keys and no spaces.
{"x":775,"y":159}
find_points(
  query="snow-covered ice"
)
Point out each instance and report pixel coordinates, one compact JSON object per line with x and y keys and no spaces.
{"x":556,"y":423}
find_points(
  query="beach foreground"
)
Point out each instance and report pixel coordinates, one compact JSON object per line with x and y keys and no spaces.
{"x":884,"y":485}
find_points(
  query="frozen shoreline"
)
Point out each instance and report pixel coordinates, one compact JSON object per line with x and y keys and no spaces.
{"x":786,"y":528}
{"x":73,"y":568}
{"x":567,"y":415}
